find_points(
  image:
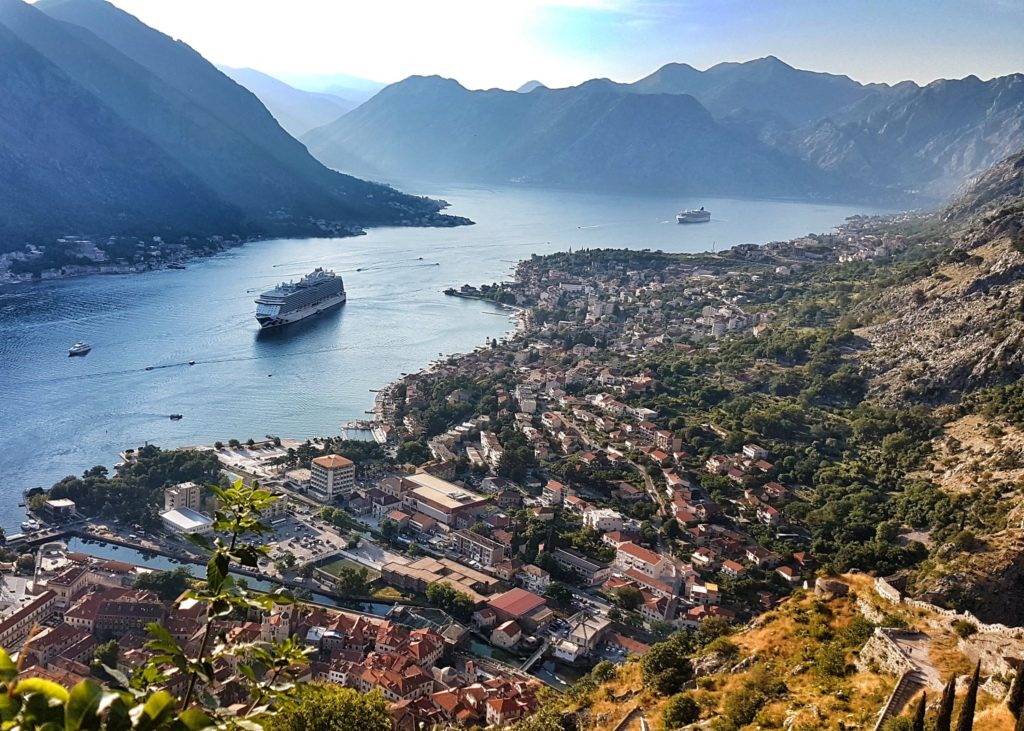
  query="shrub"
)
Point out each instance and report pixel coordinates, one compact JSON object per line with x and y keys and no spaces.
{"x":963,"y":628}
{"x":680,"y":710}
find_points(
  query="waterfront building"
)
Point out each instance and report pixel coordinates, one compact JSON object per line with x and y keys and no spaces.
{"x":331,"y":476}
{"x":186,"y":521}
{"x":182,"y":495}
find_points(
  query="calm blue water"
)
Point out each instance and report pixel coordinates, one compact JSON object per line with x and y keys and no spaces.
{"x":61,"y":415}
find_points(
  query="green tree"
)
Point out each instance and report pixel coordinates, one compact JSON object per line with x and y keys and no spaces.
{"x":105,"y":656}
{"x":323,"y":707}
{"x":559,"y":594}
{"x":168,"y":585}
{"x":1015,"y":701}
{"x":354,"y":582}
{"x":33,"y":704}
{"x":830,"y":661}
{"x":666,"y":667}
{"x":944,"y":718}
{"x":446,"y":597}
{"x":628,"y":597}
{"x":966,"y":720}
{"x":680,"y":710}
{"x":919,"y":712}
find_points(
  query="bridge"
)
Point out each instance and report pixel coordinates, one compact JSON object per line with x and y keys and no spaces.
{"x":525,"y":667}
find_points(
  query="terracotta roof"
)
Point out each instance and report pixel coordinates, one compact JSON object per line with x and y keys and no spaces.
{"x":640,"y":552}
{"x":333,"y":461}
{"x":517,"y":602}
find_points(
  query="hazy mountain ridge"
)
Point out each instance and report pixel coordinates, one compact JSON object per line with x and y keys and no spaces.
{"x":932,"y":139}
{"x":429,"y":127}
{"x":165,"y":142}
{"x":763,"y":128}
{"x":296,"y":110}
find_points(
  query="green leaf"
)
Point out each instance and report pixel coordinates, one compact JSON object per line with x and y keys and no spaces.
{"x":83,"y":701}
{"x":194,"y":720}
{"x":216,"y":571}
{"x":9,"y":706}
{"x":8,"y":670}
{"x":156,"y":711}
{"x":46,"y":688}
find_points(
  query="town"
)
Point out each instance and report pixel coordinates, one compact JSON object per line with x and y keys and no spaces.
{"x":526,"y":511}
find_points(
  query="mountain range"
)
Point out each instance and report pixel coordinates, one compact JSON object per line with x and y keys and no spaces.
{"x":756,"y":128}
{"x":111,"y":127}
{"x":296,"y":110}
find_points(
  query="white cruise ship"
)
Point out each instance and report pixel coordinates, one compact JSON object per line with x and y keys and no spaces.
{"x":293,"y":301}
{"x":695,"y":216}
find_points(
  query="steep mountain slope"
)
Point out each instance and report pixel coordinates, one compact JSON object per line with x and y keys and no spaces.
{"x":930,"y":139}
{"x":429,"y":127}
{"x":957,"y":328}
{"x":216,"y":133}
{"x":297,"y":111}
{"x":69,"y":162}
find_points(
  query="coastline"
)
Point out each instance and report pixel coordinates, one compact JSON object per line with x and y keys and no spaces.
{"x":175,"y":256}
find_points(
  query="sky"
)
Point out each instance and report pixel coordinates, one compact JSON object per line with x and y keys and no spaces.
{"x":503,"y":43}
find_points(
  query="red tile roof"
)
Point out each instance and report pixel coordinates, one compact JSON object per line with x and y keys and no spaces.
{"x":516,"y":602}
{"x":333,"y":461}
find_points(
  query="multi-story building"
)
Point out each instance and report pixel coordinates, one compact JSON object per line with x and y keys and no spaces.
{"x":478,"y":548}
{"x":182,"y":495}
{"x":437,"y":498}
{"x":590,"y":571}
{"x":654,"y":565}
{"x":331,"y":476}
{"x":16,"y":625}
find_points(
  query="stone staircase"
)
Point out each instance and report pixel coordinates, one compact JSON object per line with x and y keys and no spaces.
{"x":907,"y":687}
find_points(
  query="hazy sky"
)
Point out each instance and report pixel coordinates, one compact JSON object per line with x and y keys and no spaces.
{"x":485,"y":43}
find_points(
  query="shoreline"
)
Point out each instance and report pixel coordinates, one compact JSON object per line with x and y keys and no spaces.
{"x":214,"y":248}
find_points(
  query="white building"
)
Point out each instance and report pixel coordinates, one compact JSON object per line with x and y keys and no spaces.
{"x":186,"y":521}
{"x":331,"y":476}
{"x":603,"y":519}
{"x":182,"y":495}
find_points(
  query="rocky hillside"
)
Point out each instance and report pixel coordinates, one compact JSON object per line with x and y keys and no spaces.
{"x":958,"y":327}
{"x":951,"y":337}
{"x":814,"y":663}
{"x":929,"y":139}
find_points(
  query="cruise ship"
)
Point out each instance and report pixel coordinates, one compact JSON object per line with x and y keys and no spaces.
{"x":695,"y":216}
{"x":293,"y":301}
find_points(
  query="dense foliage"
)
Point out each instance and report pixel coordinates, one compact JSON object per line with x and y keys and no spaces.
{"x":135,"y":492}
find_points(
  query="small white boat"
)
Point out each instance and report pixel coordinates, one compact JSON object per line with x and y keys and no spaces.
{"x":79,"y":349}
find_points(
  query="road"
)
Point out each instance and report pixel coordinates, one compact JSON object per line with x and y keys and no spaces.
{"x":649,"y":485}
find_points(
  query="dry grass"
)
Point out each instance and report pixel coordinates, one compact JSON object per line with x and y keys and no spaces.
{"x":784,"y":641}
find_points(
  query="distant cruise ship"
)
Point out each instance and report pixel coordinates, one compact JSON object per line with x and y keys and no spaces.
{"x":697,"y":216}
{"x":293,"y":301}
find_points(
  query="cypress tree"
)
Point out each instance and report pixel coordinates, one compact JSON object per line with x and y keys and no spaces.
{"x":1016,"y":700}
{"x":919,"y":714}
{"x":966,"y":720}
{"x":945,"y":718}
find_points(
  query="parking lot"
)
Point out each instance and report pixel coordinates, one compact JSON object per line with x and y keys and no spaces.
{"x":304,"y":536}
